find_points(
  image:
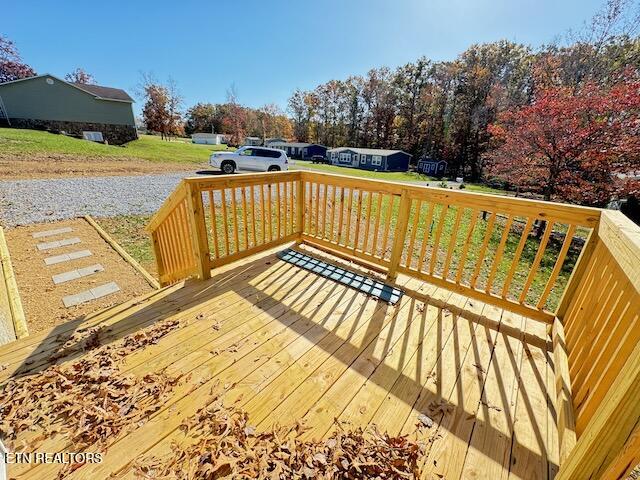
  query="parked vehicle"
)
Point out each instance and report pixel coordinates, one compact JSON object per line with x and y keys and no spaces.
{"x":319,"y":159}
{"x":257,"y":159}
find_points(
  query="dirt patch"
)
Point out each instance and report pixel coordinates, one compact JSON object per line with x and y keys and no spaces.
{"x":42,"y":300}
{"x":46,"y":165}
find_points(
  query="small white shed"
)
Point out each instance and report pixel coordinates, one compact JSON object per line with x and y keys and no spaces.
{"x":208,"y":138}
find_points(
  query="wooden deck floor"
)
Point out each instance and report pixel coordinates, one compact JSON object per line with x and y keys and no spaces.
{"x":297,"y":346}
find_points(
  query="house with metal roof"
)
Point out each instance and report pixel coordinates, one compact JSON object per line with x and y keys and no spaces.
{"x":370,"y":159}
{"x":300,"y":150}
{"x":46,"y":102}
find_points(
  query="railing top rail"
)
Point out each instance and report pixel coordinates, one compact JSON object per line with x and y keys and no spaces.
{"x":579,"y":215}
{"x":235,"y":180}
{"x":172,"y":200}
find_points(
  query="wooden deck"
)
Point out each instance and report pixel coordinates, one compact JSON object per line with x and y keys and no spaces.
{"x":297,"y":346}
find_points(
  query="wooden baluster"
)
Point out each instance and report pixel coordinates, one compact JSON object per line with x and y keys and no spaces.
{"x":253,"y":215}
{"x":516,"y":256}
{"x":414,"y":230}
{"x":332,"y":208}
{"x":436,"y":240}
{"x":294,"y":217}
{"x":285,"y":202}
{"x":263,"y":217}
{"x":301,"y":196}
{"x":487,"y":236}
{"x":214,"y":224}
{"x":307,"y":217}
{"x":225,"y":218}
{"x":234,"y":214}
{"x":452,"y":241}
{"x":499,"y":252}
{"x":279,"y":209}
{"x":467,"y":243}
{"x":387,"y":225}
{"x":165,"y":235}
{"x":367,"y":219}
{"x":182,"y":237}
{"x":323,"y":204}
{"x":349,"y":213}
{"x":400,"y":233}
{"x":269,"y":212}
{"x":425,"y":236}
{"x":340,"y":215}
{"x":557,"y":267}
{"x":245,"y":218}
{"x":317,"y":226}
{"x":536,"y":262}
{"x":359,"y":212}
{"x":376,"y":226}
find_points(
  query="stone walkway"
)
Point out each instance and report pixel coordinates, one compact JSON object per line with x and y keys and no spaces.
{"x":82,"y":296}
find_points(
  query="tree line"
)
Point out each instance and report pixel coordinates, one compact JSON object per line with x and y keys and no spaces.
{"x":446,"y":110}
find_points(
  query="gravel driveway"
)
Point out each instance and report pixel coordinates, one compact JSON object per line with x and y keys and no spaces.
{"x":31,"y":201}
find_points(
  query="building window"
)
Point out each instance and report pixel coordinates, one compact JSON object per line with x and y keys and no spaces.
{"x":345,"y":158}
{"x":376,"y":160}
{"x":363,"y":159}
{"x":333,"y":155}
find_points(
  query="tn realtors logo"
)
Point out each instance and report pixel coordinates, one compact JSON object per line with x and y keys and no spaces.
{"x":51,"y":457}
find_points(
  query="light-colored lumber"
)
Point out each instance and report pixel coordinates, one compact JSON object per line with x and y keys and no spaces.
{"x":127,"y":258}
{"x":566,"y":423}
{"x":399,"y":234}
{"x":8,"y":277}
{"x":516,"y":256}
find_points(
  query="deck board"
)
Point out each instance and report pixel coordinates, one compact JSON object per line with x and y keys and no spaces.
{"x":290,"y":345}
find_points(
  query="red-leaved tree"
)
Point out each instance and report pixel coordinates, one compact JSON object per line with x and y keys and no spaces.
{"x":11,"y":65}
{"x":576,"y":146}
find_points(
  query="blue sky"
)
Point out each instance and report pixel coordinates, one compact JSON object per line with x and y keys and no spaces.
{"x":267,"y":48}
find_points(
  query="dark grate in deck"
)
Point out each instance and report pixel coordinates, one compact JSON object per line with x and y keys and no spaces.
{"x":360,"y":282}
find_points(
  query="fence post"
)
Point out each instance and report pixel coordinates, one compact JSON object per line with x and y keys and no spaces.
{"x":301,"y":203}
{"x":199,"y":241}
{"x":399,"y":234}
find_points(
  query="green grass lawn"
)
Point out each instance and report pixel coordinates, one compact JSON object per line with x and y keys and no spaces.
{"x":147,"y":147}
{"x":389,"y":176}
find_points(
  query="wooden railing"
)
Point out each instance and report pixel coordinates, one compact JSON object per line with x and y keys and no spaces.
{"x":601,"y":321}
{"x":514,"y":253}
{"x":474,"y":244}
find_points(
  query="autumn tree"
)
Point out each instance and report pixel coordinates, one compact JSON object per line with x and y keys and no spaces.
{"x":161,"y":110}
{"x":11,"y":65}
{"x":81,"y":76}
{"x":571,"y":145}
{"x":203,"y":117}
{"x":234,"y":121}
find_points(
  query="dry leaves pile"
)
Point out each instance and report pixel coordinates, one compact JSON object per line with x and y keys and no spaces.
{"x":224,"y":445}
{"x":89,"y":399}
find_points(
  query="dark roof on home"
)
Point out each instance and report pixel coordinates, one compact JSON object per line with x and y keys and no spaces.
{"x":294,"y":144}
{"x":107,"y":93}
{"x":369,"y":151}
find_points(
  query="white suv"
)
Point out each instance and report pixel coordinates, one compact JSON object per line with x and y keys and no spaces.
{"x":259,"y":159}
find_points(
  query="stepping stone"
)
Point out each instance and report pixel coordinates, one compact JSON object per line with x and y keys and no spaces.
{"x":78,"y":273}
{"x":58,"y":243}
{"x":65,"y":257}
{"x":89,"y":295}
{"x":50,"y":233}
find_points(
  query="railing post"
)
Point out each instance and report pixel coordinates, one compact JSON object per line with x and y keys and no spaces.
{"x":399,"y":234}
{"x":301,"y":203}
{"x":199,"y":241}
